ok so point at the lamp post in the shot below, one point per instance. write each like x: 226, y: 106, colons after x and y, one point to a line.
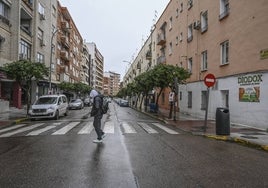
x: 51, y: 51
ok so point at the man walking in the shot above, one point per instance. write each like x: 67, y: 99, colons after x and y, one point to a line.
x: 97, y: 101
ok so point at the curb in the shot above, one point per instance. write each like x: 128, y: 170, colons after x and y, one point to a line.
x: 19, y: 121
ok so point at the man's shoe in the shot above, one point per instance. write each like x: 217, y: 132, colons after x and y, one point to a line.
x: 97, y: 141
x: 103, y: 135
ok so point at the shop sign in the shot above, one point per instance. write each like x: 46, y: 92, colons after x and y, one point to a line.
x: 255, y: 79
x: 249, y: 90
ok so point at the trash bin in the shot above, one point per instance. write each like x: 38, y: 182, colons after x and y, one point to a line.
x: 222, y: 121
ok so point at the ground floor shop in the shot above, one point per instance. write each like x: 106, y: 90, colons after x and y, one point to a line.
x: 245, y: 95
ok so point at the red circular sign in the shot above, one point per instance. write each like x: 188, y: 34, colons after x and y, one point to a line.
x: 209, y: 80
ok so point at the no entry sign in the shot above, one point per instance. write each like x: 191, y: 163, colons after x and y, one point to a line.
x: 209, y: 80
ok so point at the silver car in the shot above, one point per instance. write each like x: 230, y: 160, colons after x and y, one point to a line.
x: 76, y: 104
x: 49, y: 106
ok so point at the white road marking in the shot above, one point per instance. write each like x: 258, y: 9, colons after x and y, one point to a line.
x: 39, y: 131
x: 170, y: 131
x: 87, y: 128
x: 109, y: 127
x: 22, y: 130
x: 11, y: 128
x: 147, y: 128
x: 65, y: 129
x: 128, y: 128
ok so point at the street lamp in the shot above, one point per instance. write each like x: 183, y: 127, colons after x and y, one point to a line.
x: 51, y: 51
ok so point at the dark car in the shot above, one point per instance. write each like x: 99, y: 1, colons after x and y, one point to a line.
x: 76, y: 104
x: 123, y: 103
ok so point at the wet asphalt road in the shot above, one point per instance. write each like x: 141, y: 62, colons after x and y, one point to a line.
x: 138, y: 159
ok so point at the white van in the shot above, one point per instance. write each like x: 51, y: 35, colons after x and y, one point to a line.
x: 49, y: 106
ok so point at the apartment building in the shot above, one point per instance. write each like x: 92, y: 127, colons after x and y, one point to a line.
x: 111, y: 83
x: 41, y: 31
x: 96, y: 66
x: 85, y: 66
x: 226, y: 38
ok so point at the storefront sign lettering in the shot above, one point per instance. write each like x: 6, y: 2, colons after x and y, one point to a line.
x: 250, y: 80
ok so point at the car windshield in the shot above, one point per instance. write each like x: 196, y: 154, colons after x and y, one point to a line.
x: 47, y: 100
x: 75, y: 100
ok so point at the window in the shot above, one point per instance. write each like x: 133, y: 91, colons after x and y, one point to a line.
x: 40, y: 58
x: 24, y: 50
x: 224, y: 9
x: 190, y: 33
x: 204, y: 60
x: 225, y: 53
x: 181, y: 37
x: 190, y: 64
x: 170, y: 48
x: 177, y: 13
x: 40, y: 34
x: 41, y: 9
x: 170, y: 23
x: 190, y: 4
x: 181, y: 7
x: 177, y: 40
x: 4, y: 10
x: 204, y: 21
x: 203, y: 100
x: 54, y: 11
x: 189, y: 99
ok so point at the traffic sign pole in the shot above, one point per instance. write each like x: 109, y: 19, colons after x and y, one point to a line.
x: 209, y: 81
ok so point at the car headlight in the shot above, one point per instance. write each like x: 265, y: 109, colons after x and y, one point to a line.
x: 51, y: 108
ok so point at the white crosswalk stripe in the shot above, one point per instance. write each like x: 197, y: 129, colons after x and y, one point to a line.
x: 12, y: 128
x: 37, y: 132
x: 22, y: 130
x: 128, y: 128
x: 87, y: 128
x: 108, y: 127
x: 170, y: 131
x: 66, y: 129
x: 147, y: 128
x: 60, y: 128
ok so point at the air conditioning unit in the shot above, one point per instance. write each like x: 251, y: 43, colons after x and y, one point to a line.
x: 42, y: 16
x: 197, y: 25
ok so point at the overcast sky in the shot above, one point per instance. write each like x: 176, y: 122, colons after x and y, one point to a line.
x: 117, y: 27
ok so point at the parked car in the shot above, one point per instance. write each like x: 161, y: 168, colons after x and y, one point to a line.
x: 123, y: 103
x: 76, y: 104
x: 49, y: 106
x: 87, y: 102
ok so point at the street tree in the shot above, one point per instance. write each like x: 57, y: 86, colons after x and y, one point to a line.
x: 25, y: 72
x: 164, y: 76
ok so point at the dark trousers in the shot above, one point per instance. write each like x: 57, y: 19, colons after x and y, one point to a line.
x: 97, y: 126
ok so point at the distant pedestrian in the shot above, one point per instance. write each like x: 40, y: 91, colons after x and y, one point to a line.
x: 97, y: 101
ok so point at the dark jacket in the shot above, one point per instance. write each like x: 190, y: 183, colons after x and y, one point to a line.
x: 97, y: 106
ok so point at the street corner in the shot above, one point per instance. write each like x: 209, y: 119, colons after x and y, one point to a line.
x: 251, y: 144
x: 20, y: 120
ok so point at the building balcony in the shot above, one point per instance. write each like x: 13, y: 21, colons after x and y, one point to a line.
x: 149, y: 55
x: 65, y: 41
x: 64, y: 55
x: 161, y: 39
x: 65, y: 26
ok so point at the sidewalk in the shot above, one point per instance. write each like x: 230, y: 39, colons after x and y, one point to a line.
x: 249, y: 136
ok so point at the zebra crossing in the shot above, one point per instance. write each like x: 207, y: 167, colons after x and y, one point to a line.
x: 82, y: 128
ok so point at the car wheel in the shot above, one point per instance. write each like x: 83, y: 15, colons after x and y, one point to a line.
x: 56, y: 117
x: 66, y: 112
